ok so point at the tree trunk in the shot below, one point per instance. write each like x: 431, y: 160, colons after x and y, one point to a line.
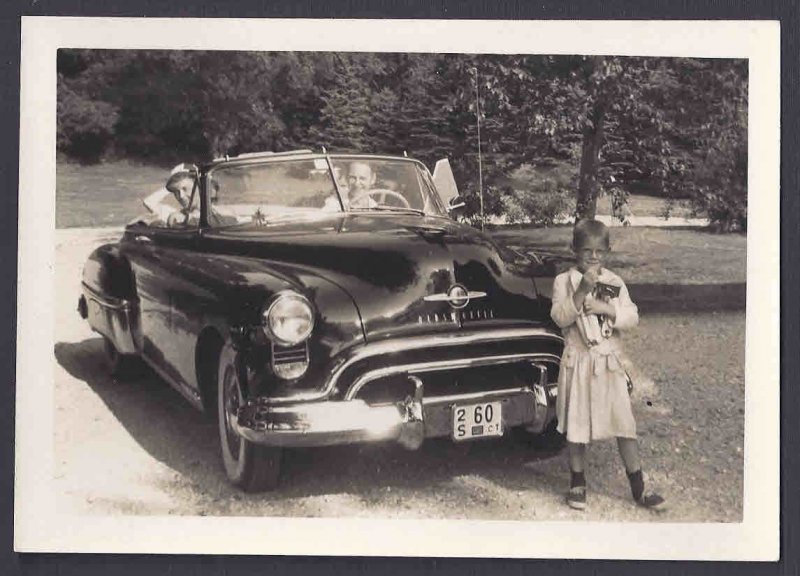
x: 593, y: 136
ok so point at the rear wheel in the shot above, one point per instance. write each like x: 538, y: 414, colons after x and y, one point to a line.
x: 121, y: 366
x: 251, y: 467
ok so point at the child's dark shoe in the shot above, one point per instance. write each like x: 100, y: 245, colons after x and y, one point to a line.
x: 645, y: 499
x: 576, y: 497
x: 652, y: 501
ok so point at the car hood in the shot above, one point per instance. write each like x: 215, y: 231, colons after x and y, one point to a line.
x: 390, y: 263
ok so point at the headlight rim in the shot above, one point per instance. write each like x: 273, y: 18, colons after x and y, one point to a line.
x: 265, y: 315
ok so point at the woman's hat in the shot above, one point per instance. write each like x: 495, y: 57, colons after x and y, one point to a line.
x: 181, y: 171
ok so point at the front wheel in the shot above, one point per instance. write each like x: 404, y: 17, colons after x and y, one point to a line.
x: 251, y: 467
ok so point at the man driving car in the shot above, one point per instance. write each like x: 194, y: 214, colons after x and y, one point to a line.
x: 360, y: 180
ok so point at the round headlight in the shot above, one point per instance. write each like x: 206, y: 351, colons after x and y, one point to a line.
x: 289, y: 319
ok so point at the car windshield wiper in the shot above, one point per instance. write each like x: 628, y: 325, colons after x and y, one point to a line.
x: 387, y: 208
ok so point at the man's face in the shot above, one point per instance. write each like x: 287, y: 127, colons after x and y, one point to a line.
x: 360, y: 178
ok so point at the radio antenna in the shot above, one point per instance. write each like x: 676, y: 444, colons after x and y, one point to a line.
x: 480, y: 161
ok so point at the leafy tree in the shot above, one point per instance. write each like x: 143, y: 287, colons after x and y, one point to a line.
x: 666, y: 126
x: 84, y: 126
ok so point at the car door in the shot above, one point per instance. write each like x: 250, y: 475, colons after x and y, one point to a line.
x: 161, y: 259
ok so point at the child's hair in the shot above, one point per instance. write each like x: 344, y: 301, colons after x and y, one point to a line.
x: 586, y: 229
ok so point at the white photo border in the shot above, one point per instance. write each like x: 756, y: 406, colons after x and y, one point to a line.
x: 40, y: 528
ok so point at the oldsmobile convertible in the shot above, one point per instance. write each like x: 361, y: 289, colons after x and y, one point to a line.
x: 313, y: 299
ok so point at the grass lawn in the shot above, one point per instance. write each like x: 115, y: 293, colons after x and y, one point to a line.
x: 648, y: 206
x: 646, y: 255
x: 110, y: 194
x: 107, y: 194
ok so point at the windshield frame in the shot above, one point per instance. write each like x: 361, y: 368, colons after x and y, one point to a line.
x: 425, y: 180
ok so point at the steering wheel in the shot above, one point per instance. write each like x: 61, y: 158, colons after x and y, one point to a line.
x: 383, y: 193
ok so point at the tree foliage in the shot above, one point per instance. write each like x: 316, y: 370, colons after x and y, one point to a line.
x: 673, y: 127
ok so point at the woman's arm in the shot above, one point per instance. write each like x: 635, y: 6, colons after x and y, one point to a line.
x: 154, y: 203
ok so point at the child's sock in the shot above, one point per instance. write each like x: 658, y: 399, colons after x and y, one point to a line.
x: 577, y: 479
x: 637, y: 484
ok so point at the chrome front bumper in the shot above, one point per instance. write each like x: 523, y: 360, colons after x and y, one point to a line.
x: 408, y: 422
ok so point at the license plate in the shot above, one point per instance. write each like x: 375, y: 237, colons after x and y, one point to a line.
x: 477, y: 420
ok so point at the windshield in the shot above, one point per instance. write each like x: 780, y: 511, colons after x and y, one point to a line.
x: 299, y: 188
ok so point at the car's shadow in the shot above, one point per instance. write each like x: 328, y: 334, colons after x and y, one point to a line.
x: 174, y: 433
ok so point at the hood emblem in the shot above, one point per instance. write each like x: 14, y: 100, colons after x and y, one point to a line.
x: 457, y: 296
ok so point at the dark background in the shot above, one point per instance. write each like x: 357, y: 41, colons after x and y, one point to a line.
x: 786, y: 11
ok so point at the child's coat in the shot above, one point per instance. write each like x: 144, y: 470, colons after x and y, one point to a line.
x: 593, y: 401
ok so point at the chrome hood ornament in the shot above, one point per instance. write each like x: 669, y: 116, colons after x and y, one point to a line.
x: 457, y: 296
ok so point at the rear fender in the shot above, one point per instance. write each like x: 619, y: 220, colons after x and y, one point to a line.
x: 109, y: 299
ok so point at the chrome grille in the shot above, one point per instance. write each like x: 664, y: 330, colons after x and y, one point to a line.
x: 287, y: 355
x: 461, y: 381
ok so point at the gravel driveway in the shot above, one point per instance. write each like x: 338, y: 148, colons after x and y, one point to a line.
x: 139, y: 448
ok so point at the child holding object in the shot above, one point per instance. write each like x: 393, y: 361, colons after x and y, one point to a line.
x: 590, y: 304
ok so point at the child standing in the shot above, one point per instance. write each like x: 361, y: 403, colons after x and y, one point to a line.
x: 590, y: 303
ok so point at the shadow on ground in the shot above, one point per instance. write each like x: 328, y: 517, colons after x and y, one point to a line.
x: 174, y: 433
x: 670, y: 298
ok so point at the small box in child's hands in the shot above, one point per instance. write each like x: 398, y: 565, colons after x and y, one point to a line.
x: 605, y: 290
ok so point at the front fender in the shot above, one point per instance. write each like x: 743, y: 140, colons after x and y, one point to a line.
x: 229, y: 293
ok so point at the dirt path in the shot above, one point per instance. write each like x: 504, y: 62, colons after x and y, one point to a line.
x: 139, y: 448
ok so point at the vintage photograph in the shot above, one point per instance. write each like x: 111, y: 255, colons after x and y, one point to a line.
x: 400, y: 285
x: 342, y: 260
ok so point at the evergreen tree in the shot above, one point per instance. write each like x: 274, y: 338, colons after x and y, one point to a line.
x: 345, y: 108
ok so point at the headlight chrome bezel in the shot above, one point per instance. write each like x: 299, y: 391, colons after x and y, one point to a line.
x: 278, y: 299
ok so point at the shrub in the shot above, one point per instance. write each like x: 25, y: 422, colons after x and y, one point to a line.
x: 543, y: 203
x: 721, y: 188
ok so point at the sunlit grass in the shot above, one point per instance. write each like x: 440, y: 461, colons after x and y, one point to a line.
x: 106, y: 194
x: 651, y: 255
x: 110, y: 194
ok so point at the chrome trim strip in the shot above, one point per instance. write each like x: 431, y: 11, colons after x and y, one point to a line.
x: 445, y: 297
x: 474, y: 396
x: 279, y: 157
x: 422, y: 367
x: 117, y: 304
x: 416, y: 343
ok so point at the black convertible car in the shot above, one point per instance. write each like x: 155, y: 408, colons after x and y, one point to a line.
x: 311, y: 299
